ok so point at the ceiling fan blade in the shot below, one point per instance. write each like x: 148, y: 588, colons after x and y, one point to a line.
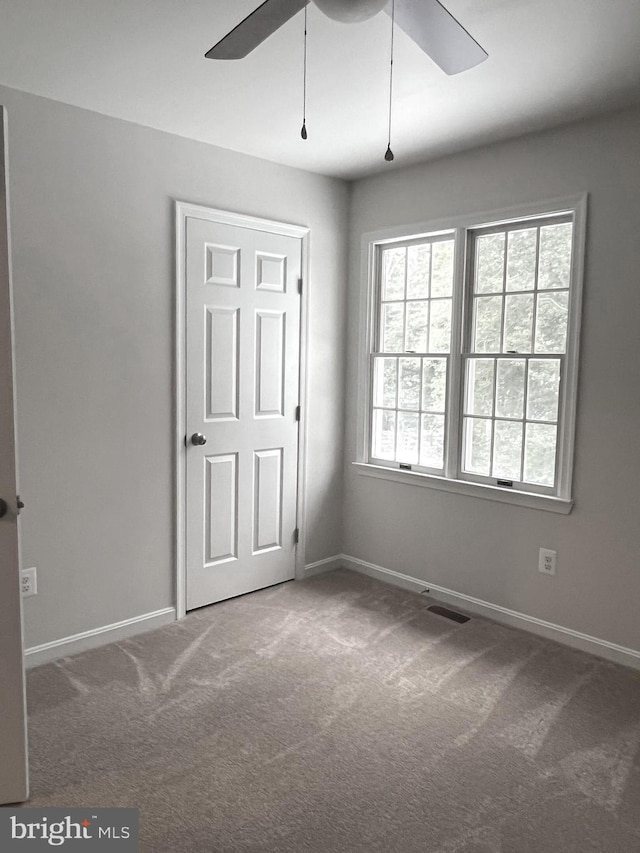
x: 255, y: 28
x: 437, y: 32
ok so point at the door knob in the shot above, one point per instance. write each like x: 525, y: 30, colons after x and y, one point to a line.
x: 198, y: 439
x: 4, y: 508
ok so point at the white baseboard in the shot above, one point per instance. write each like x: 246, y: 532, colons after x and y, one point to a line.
x: 121, y: 630
x: 322, y: 566
x: 577, y: 640
x: 67, y: 646
x: 382, y: 574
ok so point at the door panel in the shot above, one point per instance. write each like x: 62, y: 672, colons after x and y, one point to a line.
x: 13, y: 746
x: 221, y: 508
x: 242, y: 355
x: 270, y: 363
x: 222, y: 363
x: 267, y: 500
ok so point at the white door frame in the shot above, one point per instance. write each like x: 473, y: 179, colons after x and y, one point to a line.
x: 222, y: 217
x: 14, y: 769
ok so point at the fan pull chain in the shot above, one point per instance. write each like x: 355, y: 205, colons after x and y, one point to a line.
x: 303, y: 132
x: 389, y: 153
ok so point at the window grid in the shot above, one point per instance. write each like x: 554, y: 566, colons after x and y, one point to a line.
x: 478, y: 291
x: 524, y: 421
x: 539, y: 344
x: 535, y: 301
x: 426, y: 279
x: 420, y: 412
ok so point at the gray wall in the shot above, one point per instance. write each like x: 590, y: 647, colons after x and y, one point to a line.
x: 92, y: 221
x: 486, y: 549
x: 93, y: 255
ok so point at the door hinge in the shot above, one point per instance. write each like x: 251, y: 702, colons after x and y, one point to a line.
x: 299, y: 285
x: 296, y: 536
x: 298, y: 413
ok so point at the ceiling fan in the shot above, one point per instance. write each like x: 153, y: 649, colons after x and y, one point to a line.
x: 427, y: 22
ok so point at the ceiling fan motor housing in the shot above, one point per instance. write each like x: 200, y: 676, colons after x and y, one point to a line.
x: 350, y: 11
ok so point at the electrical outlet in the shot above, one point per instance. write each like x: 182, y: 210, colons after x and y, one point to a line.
x: 547, y: 561
x: 28, y: 582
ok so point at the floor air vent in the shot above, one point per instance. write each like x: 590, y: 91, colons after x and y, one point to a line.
x: 448, y: 614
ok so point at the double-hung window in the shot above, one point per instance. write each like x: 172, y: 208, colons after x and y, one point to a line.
x: 412, y: 351
x: 472, y: 357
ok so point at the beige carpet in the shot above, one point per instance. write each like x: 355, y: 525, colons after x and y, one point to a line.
x: 341, y: 715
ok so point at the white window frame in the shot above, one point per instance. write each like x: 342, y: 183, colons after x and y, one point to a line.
x: 461, y: 227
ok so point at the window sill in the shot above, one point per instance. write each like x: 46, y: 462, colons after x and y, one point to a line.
x: 464, y: 487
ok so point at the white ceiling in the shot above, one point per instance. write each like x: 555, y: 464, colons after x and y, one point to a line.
x: 550, y: 61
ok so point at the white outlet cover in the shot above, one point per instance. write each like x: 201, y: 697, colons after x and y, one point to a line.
x: 547, y: 561
x: 28, y: 582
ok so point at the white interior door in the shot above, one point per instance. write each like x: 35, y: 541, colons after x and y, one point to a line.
x: 13, y: 744
x: 242, y: 393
